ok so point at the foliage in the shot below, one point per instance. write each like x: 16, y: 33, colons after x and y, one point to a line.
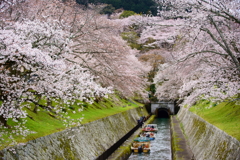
x: 126, y: 14
x: 109, y: 9
x: 131, y: 37
x: 83, y: 2
x: 154, y: 60
x: 138, y: 6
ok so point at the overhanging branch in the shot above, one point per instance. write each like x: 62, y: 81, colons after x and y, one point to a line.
x: 206, y: 51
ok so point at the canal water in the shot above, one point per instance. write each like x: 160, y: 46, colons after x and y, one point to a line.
x: 161, y: 146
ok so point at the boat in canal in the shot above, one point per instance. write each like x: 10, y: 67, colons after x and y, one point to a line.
x: 150, y: 135
x: 150, y: 128
x: 141, y: 144
x: 161, y: 146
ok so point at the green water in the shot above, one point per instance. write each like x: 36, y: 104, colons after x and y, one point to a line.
x: 161, y: 146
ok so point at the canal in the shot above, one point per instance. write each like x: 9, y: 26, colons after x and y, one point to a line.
x: 161, y: 146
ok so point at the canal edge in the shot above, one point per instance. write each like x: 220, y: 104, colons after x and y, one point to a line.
x: 179, y: 145
x: 124, y: 151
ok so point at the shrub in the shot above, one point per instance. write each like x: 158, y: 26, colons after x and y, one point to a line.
x: 109, y: 9
x: 126, y: 14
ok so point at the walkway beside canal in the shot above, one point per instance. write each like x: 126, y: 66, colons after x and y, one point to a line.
x: 180, y: 148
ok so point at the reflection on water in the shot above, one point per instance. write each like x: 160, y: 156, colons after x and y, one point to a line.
x: 161, y: 146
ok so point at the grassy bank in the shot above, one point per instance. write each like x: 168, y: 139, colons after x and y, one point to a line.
x: 225, y: 116
x: 45, y: 122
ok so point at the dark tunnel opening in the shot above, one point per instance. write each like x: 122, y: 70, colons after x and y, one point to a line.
x: 162, y: 113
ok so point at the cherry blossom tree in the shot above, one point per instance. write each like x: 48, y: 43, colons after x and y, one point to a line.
x: 56, y: 50
x: 97, y: 44
x: 29, y: 70
x: 209, y: 40
x: 98, y: 47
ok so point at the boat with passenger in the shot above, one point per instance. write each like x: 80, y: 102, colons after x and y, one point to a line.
x: 150, y: 135
x: 141, y: 144
x: 150, y: 128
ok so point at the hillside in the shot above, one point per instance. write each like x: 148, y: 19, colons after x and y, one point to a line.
x: 225, y: 115
x: 44, y: 122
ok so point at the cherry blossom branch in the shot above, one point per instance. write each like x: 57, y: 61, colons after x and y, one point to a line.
x: 206, y: 51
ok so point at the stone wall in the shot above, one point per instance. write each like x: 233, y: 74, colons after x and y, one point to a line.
x: 206, y: 141
x: 85, y: 142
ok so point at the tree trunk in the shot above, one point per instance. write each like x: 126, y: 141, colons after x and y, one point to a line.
x: 35, y: 108
x: 4, y: 121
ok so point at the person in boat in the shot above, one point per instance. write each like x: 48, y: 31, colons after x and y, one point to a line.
x: 138, y: 121
x: 148, y: 135
x: 140, y: 149
x: 144, y: 118
x: 142, y: 121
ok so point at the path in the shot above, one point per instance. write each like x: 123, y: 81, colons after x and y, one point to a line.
x: 181, y: 150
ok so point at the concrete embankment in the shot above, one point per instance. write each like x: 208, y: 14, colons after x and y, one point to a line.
x: 180, y: 147
x: 206, y: 141
x: 85, y: 142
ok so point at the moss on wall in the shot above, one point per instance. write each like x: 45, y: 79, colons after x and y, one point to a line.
x: 200, y: 129
x: 83, y: 142
x: 68, y: 151
x: 207, y: 141
x: 223, y: 150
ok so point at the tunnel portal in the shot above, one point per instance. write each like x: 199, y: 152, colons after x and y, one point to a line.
x: 162, y: 113
x: 163, y: 108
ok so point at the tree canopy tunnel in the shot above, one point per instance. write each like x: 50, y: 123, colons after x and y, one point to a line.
x: 162, y: 113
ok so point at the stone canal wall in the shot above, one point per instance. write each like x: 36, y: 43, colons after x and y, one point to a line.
x: 206, y: 141
x: 85, y: 142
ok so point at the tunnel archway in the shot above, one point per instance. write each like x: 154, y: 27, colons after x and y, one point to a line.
x: 162, y: 113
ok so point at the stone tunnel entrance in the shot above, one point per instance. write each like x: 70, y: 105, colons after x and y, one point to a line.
x: 163, y: 108
x: 162, y: 113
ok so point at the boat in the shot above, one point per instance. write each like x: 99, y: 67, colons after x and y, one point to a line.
x: 150, y: 135
x: 141, y: 144
x: 150, y: 128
